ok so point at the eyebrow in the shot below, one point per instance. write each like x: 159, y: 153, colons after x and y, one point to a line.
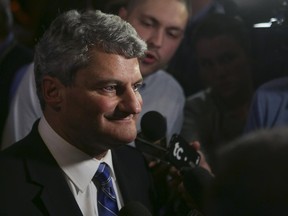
x: 159, y: 23
x: 118, y: 82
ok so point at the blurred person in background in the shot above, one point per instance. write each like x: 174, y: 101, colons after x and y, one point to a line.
x: 161, y: 24
x: 251, y: 176
x: 269, y: 106
x: 13, y: 59
x: 218, y: 114
x: 183, y: 66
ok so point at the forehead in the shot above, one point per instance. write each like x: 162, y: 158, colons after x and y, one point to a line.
x: 216, y: 45
x: 169, y: 12
x: 111, y: 66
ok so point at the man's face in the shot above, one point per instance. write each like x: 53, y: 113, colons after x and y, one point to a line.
x: 100, y: 109
x: 223, y: 64
x: 161, y: 24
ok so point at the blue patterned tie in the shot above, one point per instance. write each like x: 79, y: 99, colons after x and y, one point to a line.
x: 106, y: 198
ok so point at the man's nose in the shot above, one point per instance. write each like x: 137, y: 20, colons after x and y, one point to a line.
x: 156, y: 38
x: 131, y: 102
x: 220, y: 69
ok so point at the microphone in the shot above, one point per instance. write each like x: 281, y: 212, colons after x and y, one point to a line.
x: 181, y: 154
x: 134, y: 209
x: 153, y: 128
x: 150, y: 141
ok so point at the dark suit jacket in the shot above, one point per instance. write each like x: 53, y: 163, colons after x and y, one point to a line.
x: 32, y: 183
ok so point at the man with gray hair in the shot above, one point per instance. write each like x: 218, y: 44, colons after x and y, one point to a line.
x: 161, y: 24
x: 87, y: 78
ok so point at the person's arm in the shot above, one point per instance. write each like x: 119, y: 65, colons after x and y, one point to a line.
x: 176, y: 120
x: 263, y: 109
x: 254, y: 120
x: 192, y: 115
x: 24, y: 110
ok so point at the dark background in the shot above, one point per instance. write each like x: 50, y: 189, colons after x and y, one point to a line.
x: 270, y: 45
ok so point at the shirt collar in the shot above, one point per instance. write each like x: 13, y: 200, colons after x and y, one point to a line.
x: 78, y: 166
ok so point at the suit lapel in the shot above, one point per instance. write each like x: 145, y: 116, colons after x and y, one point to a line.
x: 124, y: 177
x: 43, y: 170
x: 133, y: 177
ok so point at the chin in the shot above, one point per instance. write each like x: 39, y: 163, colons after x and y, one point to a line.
x: 129, y: 140
x: 124, y: 139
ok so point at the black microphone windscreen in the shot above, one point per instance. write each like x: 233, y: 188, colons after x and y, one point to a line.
x: 134, y: 209
x: 153, y: 126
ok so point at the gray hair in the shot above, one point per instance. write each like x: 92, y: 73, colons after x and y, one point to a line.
x: 66, y: 46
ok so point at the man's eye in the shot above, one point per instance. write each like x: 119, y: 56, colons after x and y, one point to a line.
x: 174, y: 34
x: 205, y: 64
x: 147, y: 23
x: 228, y: 58
x: 111, y: 88
x: 137, y: 86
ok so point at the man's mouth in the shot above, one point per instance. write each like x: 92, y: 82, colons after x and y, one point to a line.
x: 121, y: 118
x: 149, y: 58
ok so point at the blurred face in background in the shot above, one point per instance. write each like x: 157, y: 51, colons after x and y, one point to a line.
x: 223, y: 64
x: 161, y: 23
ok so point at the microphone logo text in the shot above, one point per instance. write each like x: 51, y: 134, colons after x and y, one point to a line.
x: 177, y: 151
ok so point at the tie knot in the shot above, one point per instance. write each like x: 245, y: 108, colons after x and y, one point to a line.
x: 103, y: 174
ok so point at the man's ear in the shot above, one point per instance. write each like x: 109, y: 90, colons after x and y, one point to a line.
x: 123, y: 13
x: 52, y: 91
